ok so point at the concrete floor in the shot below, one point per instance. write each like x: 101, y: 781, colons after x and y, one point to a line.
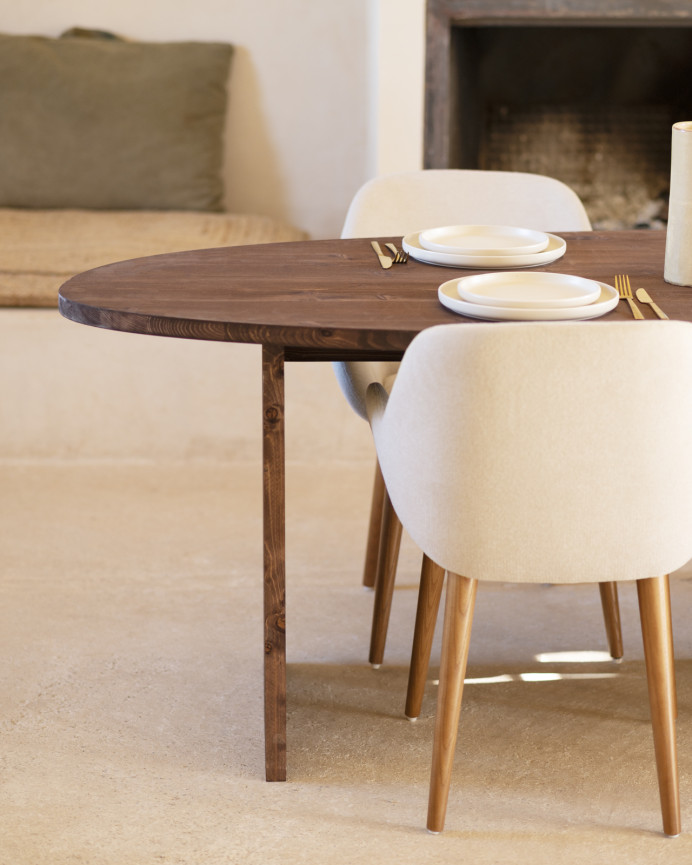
x: 131, y: 690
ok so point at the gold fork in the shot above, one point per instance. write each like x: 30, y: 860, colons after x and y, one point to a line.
x: 624, y: 289
x: 400, y: 257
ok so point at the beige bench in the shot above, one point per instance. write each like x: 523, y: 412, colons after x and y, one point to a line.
x: 69, y: 391
x: 74, y: 392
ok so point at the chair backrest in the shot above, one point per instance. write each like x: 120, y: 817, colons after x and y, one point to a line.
x: 543, y: 452
x: 399, y: 204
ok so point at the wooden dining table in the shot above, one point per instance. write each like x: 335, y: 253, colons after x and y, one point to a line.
x: 313, y: 301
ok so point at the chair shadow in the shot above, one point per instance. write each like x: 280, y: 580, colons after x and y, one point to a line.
x: 346, y: 725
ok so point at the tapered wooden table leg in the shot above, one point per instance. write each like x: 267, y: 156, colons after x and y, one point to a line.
x: 274, y: 510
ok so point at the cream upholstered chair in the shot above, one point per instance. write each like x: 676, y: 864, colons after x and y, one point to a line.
x: 508, y: 452
x: 399, y: 204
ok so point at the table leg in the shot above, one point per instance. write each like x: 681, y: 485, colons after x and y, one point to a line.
x: 273, y: 458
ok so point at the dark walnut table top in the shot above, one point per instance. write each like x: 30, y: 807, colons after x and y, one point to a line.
x: 327, y: 299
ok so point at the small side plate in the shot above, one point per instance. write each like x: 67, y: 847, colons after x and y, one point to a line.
x: 484, y: 240
x: 448, y: 296
x: 555, y: 249
x: 524, y: 290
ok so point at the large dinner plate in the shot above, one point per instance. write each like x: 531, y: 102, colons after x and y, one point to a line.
x: 523, y: 290
x: 483, y: 240
x: 449, y: 296
x: 555, y: 249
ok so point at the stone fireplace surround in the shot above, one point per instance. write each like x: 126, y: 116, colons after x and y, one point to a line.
x: 583, y: 90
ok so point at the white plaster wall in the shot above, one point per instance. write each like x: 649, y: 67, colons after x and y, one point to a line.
x: 324, y: 93
x: 69, y: 392
x: 397, y: 82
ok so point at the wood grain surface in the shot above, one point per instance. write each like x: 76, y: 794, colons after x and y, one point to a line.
x: 274, y: 537
x: 326, y: 299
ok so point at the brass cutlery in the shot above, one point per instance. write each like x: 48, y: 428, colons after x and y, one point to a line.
x: 400, y: 257
x: 643, y: 297
x: 624, y: 289
x: 385, y: 260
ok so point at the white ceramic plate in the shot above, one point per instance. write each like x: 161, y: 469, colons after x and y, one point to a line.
x: 449, y: 297
x: 483, y: 240
x: 555, y: 249
x: 523, y: 290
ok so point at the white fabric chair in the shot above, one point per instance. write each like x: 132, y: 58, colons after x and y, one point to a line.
x: 399, y: 204
x: 535, y: 452
x: 396, y: 205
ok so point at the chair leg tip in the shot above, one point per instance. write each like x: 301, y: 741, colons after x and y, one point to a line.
x: 411, y: 719
x: 376, y: 666
x: 433, y: 831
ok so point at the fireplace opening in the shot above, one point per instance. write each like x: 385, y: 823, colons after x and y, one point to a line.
x: 590, y: 105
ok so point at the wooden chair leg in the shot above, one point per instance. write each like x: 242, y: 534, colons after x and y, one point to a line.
x: 669, y: 612
x: 372, y: 546
x: 431, y: 581
x: 611, y: 617
x: 654, y: 607
x: 432, y: 578
x: 390, y: 541
x: 459, y: 605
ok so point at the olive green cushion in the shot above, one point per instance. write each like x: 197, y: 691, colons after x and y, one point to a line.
x: 110, y: 123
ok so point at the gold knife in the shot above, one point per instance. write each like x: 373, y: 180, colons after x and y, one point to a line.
x: 385, y: 260
x: 643, y: 297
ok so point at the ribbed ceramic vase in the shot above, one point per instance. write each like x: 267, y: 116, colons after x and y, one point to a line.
x: 678, y: 265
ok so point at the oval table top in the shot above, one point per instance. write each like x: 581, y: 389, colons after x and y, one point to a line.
x: 327, y: 297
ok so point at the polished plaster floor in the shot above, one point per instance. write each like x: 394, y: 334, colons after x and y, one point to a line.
x: 131, y: 690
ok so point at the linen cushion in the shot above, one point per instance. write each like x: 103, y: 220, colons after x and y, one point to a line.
x: 112, y: 124
x: 41, y: 249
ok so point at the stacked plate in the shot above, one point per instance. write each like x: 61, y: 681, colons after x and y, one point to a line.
x: 527, y: 297
x: 475, y: 246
